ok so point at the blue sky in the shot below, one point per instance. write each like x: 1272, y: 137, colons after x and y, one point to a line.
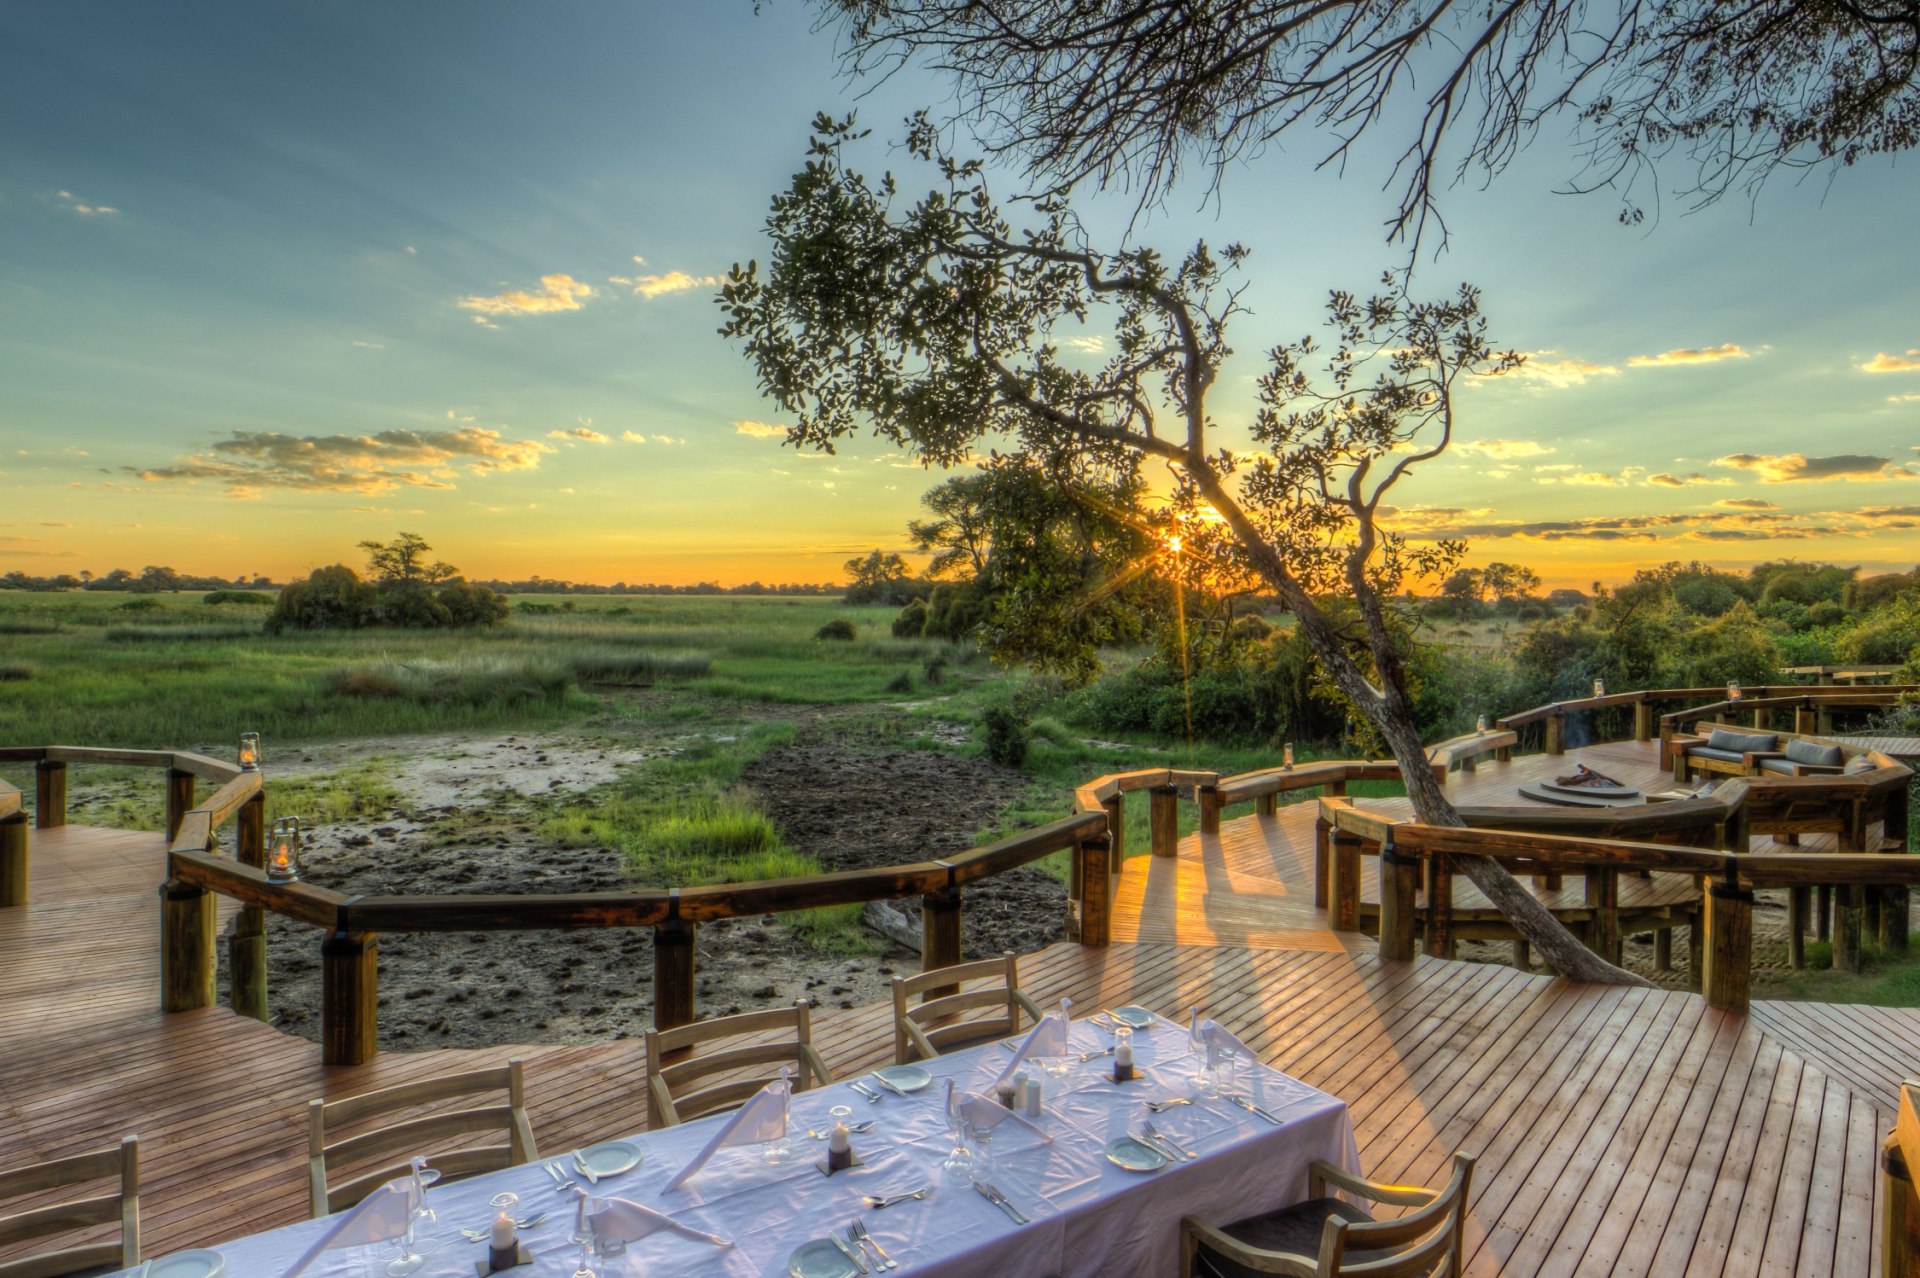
x: 274, y: 279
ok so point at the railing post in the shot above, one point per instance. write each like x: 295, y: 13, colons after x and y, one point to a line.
x: 179, y: 800
x: 1762, y: 718
x: 1729, y: 910
x: 186, y: 947
x: 673, y: 955
x: 1896, y: 907
x: 1399, y: 890
x: 13, y: 859
x: 349, y: 998
x: 49, y: 794
x: 1163, y: 819
x: 1322, y: 861
x: 1096, y: 913
x: 1557, y: 733
x: 1663, y: 949
x: 1209, y: 796
x: 1116, y: 831
x: 1267, y: 804
x: 1847, y: 920
x: 1343, y: 881
x: 1805, y: 719
x: 1643, y: 721
x: 1603, y: 898
x: 940, y: 935
x: 1797, y: 901
x: 1440, y: 905
x: 1900, y: 1218
x: 247, y: 943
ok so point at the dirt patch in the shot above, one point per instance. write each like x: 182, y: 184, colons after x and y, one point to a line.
x: 468, y: 822
x: 853, y: 811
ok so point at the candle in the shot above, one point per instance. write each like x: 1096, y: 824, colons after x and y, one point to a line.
x: 503, y: 1248
x: 503, y: 1228
x: 1123, y: 1057
x: 839, y: 1148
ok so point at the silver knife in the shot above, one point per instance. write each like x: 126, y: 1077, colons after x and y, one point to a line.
x: 859, y: 1258
x: 886, y: 1083
x: 585, y: 1170
x: 1001, y: 1201
x: 1251, y: 1108
x: 1162, y: 1147
x: 869, y: 1096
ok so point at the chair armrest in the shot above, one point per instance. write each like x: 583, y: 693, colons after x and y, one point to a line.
x: 665, y: 1113
x: 1818, y: 769
x: 1266, y: 1262
x: 1751, y: 758
x: 818, y: 1067
x: 1320, y: 1174
x: 918, y: 1037
x: 1028, y: 1005
x: 1685, y: 743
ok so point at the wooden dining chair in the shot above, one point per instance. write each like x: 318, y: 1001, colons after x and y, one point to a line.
x: 415, y: 1135
x: 1326, y: 1236
x: 121, y: 1163
x: 930, y: 1027
x: 673, y: 1062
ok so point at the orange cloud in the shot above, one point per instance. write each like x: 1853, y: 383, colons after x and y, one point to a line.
x: 1885, y: 363
x: 1504, y: 449
x: 1688, y: 355
x: 760, y: 430
x: 556, y: 293
x: 1668, y: 480
x: 585, y: 434
x: 1789, y: 468
x: 251, y: 461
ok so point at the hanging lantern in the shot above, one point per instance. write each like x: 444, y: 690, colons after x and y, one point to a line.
x: 1286, y: 755
x: 283, y: 851
x: 1599, y: 687
x: 249, y: 752
x: 1733, y: 689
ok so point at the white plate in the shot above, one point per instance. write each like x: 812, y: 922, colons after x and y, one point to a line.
x: 1134, y: 1156
x: 189, y: 1264
x: 905, y: 1078
x: 611, y: 1157
x: 1135, y: 1017
x: 820, y: 1259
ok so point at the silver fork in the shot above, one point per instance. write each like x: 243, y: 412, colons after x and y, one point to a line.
x: 1164, y: 1139
x: 1161, y: 1107
x: 561, y: 1181
x: 857, y: 1233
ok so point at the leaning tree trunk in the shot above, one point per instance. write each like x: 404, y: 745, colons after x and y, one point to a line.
x: 1548, y: 936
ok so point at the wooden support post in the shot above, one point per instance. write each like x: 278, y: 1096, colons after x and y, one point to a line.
x: 1643, y: 721
x: 1399, y: 902
x: 1504, y: 754
x: 186, y: 947
x: 1338, y: 789
x: 1550, y: 882
x: 1209, y: 796
x: 1440, y: 941
x: 1663, y: 949
x: 1900, y: 1213
x: 1804, y: 720
x: 179, y: 800
x: 1095, y: 924
x: 1896, y: 910
x: 1763, y: 718
x: 1823, y: 914
x: 1557, y: 733
x: 1847, y: 920
x: 350, y: 998
x: 13, y: 860
x: 1603, y: 898
x: 1343, y: 882
x: 247, y: 943
x: 1522, y: 955
x: 1163, y: 819
x: 1696, y: 949
x: 940, y: 935
x: 1116, y: 831
x: 1267, y: 804
x: 1797, y: 927
x: 1322, y: 862
x: 1870, y: 912
x: 49, y: 794
x: 1729, y: 911
x: 673, y: 973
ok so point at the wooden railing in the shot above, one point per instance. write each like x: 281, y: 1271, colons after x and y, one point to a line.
x: 1760, y: 697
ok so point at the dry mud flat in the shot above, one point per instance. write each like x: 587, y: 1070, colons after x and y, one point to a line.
x: 473, y: 989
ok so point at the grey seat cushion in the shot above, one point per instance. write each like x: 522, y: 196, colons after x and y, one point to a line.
x: 1826, y: 756
x: 1296, y: 1229
x: 1711, y: 752
x: 1783, y: 766
x: 1860, y: 763
x: 1742, y: 742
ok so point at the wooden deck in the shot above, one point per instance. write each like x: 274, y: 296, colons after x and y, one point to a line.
x: 1619, y: 1131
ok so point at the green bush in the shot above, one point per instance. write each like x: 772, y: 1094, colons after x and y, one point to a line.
x: 1006, y: 735
x: 140, y: 603
x: 245, y: 598
x: 902, y: 682
x: 936, y: 668
x: 838, y: 629
x: 955, y: 610
x: 912, y: 621
x: 15, y: 673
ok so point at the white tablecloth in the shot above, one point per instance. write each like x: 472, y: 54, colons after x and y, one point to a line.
x: 1089, y: 1216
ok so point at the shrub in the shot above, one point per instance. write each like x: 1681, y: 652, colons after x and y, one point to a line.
x: 936, y: 668
x: 955, y: 610
x: 15, y: 673
x: 911, y: 622
x: 1006, y: 734
x: 245, y: 598
x: 142, y: 603
x: 329, y: 599
x: 839, y: 628
x: 617, y: 665
x: 902, y: 682
x: 470, y: 605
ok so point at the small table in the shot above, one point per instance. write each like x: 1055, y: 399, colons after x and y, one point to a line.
x: 1089, y: 1217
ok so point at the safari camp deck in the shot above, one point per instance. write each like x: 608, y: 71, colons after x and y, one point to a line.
x: 1619, y: 1131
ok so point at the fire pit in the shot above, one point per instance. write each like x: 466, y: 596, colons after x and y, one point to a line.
x: 1583, y: 788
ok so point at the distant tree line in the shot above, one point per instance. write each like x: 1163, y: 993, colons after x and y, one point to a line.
x: 538, y: 585
x: 149, y: 580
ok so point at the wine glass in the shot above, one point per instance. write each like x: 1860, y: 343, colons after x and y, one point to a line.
x: 413, y: 1249
x: 958, y: 1167
x: 777, y: 1150
x: 1206, y: 1079
x: 423, y: 1176
x: 582, y: 1234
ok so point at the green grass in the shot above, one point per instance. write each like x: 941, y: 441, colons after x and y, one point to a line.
x: 1885, y: 979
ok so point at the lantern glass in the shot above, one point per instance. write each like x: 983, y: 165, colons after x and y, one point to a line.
x: 1480, y: 723
x: 249, y: 751
x: 1286, y: 755
x: 283, y: 851
x: 1599, y: 687
x: 1733, y: 689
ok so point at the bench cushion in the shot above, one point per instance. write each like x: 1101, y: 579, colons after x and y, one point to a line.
x: 1739, y: 743
x: 1825, y: 756
x: 1712, y: 752
x: 1860, y: 763
x: 1783, y: 766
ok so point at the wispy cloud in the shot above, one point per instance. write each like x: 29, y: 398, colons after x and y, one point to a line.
x: 1504, y: 449
x: 760, y: 430
x: 252, y: 461
x: 556, y: 293
x: 585, y: 434
x: 1666, y: 479
x: 74, y: 204
x: 1088, y: 345
x: 1550, y: 368
x: 369, y: 346
x: 1747, y: 503
x: 1788, y: 468
x: 1885, y: 363
x: 652, y: 286
x: 633, y: 437
x: 1911, y: 397
x: 1688, y: 355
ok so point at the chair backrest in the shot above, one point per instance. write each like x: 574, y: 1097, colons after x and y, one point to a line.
x: 931, y: 1027
x: 1424, y: 1243
x: 676, y: 1072
x: 415, y: 1135
x: 121, y: 1163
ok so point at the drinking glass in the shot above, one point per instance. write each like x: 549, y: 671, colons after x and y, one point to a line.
x: 958, y: 1167
x: 777, y: 1150
x: 413, y: 1249
x: 582, y: 1235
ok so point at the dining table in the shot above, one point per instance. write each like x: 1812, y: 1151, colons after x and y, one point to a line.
x: 1244, y: 1148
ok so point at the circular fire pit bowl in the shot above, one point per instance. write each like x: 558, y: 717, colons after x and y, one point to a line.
x: 1582, y: 796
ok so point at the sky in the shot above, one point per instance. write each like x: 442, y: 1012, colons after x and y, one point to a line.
x: 277, y: 279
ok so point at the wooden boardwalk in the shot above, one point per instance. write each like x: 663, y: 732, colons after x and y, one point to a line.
x: 1619, y: 1131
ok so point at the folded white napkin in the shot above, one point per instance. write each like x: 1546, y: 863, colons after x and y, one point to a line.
x: 623, y: 1220
x: 985, y: 1115
x: 1222, y: 1039
x: 762, y: 1119
x: 1048, y: 1038
x: 381, y: 1216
